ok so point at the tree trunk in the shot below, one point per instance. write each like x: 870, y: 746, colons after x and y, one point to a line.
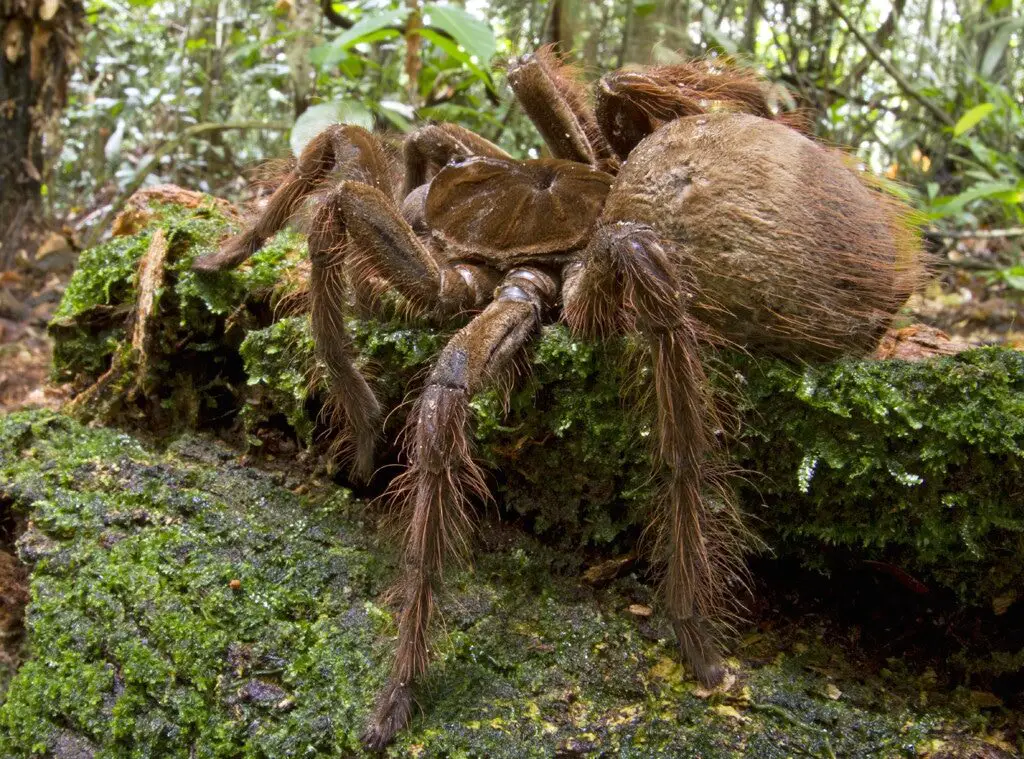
x: 39, y: 51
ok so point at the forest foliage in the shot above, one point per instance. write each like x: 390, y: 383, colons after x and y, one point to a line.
x: 926, y: 91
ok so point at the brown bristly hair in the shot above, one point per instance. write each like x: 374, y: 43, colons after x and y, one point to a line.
x: 697, y: 532
x: 702, y: 86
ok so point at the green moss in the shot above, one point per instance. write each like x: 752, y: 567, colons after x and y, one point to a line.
x: 141, y: 647
x: 193, y: 358
x: 278, y: 363
x: 915, y: 463
x: 88, y: 324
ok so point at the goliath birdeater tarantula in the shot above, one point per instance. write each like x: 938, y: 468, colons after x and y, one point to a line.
x: 679, y: 207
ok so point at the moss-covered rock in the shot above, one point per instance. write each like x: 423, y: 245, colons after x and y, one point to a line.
x: 186, y: 606
x: 914, y: 466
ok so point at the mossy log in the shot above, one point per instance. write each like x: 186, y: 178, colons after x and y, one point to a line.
x: 184, y: 605
x: 915, y: 465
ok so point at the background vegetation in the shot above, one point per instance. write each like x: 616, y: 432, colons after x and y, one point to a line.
x: 929, y: 91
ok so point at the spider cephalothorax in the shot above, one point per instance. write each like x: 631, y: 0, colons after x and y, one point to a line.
x: 681, y: 209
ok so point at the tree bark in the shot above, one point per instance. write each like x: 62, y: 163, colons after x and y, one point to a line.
x: 39, y: 51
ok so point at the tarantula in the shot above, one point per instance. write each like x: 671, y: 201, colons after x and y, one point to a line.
x: 679, y: 207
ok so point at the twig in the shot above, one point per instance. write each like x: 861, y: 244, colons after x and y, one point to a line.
x: 975, y: 234
x: 901, y: 80
x: 144, y: 170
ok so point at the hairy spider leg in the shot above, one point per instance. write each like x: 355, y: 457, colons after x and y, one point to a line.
x: 699, y: 536
x: 355, y: 154
x: 358, y: 232
x: 348, y: 150
x: 632, y: 104
x: 434, y: 492
x: 433, y: 146
x: 557, y: 103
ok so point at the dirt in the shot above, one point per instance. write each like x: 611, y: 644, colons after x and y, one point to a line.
x: 28, y: 298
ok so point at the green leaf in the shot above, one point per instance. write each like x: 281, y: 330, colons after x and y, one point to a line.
x: 971, y: 119
x: 996, y: 48
x: 317, y: 118
x: 458, y: 53
x: 1014, y: 277
x: 370, y: 28
x: 474, y: 35
x: 1011, y: 193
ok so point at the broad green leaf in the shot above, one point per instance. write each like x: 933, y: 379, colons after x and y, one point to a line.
x: 317, y: 118
x: 458, y: 53
x: 400, y: 115
x: 1004, y: 192
x: 996, y: 48
x: 474, y: 35
x: 971, y: 119
x: 370, y: 28
x: 1014, y: 277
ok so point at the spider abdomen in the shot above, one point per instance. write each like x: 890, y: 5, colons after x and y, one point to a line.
x: 788, y: 248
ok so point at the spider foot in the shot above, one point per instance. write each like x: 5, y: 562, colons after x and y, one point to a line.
x: 394, y: 707
x: 700, y: 652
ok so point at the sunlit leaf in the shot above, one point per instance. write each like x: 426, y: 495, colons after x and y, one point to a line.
x: 1014, y: 277
x: 317, y: 118
x: 474, y: 35
x: 972, y: 118
x: 370, y: 28
x: 458, y: 53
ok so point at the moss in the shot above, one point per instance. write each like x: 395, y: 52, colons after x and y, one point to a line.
x: 193, y: 356
x: 278, y: 364
x: 913, y: 463
x: 183, y: 605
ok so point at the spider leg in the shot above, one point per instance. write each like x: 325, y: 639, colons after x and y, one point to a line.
x: 632, y: 104
x: 358, y: 235
x: 700, y: 539
x: 557, y: 104
x: 352, y: 150
x: 433, y: 146
x: 442, y: 476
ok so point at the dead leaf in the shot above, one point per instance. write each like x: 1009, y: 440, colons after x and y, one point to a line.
x: 48, y: 9
x: 1001, y: 604
x: 731, y: 712
x: 31, y: 170
x: 607, y: 571
x: 14, y: 41
x: 53, y: 245
x: 723, y: 687
x: 985, y: 700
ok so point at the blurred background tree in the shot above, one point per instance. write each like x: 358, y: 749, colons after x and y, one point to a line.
x: 40, y: 49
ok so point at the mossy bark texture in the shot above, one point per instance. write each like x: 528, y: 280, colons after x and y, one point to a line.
x: 186, y: 606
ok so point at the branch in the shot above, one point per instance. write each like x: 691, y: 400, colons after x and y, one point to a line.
x: 975, y: 234
x: 333, y: 16
x: 146, y: 168
x: 930, y: 105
